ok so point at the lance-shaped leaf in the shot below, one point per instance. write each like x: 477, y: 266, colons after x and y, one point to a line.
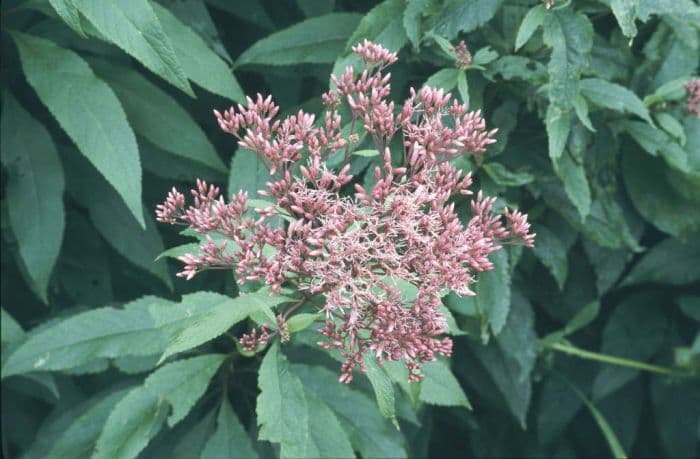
x: 464, y: 16
x: 34, y: 192
x: 615, y: 97
x: 67, y: 10
x: 89, y: 112
x: 230, y: 439
x: 133, y: 26
x: 440, y: 386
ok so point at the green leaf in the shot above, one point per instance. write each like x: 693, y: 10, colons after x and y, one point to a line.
x: 464, y: 16
x: 531, y: 22
x: 34, y: 191
x: 552, y: 252
x: 575, y: 183
x: 156, y: 116
x: 10, y: 331
x: 199, y: 62
x: 383, y: 25
x: 676, y: 408
x: 366, y: 153
x: 133, y: 26
x: 440, y: 386
x: 139, y: 245
x: 558, y: 125
x: 252, y: 12
x: 668, y: 262
x: 89, y: 112
x: 672, y: 126
x: 443, y: 79
x: 625, y: 12
x: 570, y: 35
x: 502, y: 176
x: 634, y: 331
x: 582, y: 318
x: 463, y: 87
x: 131, y: 425
x: 615, y: 97
x: 412, y: 19
x: 302, y: 424
x: 79, y: 437
x: 299, y: 322
x: 219, y: 317
x: 581, y: 109
x: 248, y: 173
x: 657, y: 143
x: 370, y: 434
x: 230, y: 440
x: 144, y: 327
x: 509, y: 358
x: 179, y: 250
x: 383, y: 389
x: 67, y: 10
x: 317, y: 40
x: 665, y: 208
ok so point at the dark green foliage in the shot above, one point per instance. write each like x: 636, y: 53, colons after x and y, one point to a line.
x: 586, y: 346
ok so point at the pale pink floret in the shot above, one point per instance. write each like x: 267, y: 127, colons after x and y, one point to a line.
x: 356, y: 250
x: 693, y: 88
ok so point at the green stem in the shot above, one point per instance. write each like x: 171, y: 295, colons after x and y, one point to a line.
x: 571, y: 350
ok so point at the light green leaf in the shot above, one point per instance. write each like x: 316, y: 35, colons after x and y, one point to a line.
x: 230, y: 440
x: 299, y: 322
x: 248, y: 173
x: 67, y: 10
x: 573, y: 176
x: 558, y: 125
x: 370, y: 434
x: 581, y: 109
x: 383, y: 389
x: 615, y: 97
x: 463, y: 87
x: 570, y: 35
x: 531, y: 22
x: 77, y: 440
x: 219, y: 317
x: 89, y: 112
x: 657, y: 143
x: 316, y: 40
x: 366, y: 153
x: 671, y: 125
x: 131, y: 425
x: 443, y: 79
x: 34, y: 191
x: 638, y: 342
x: 156, y: 116
x: 180, y: 250
x: 413, y: 17
x: 10, y: 331
x: 464, y: 16
x: 440, y: 387
x: 199, y: 62
x: 625, y: 12
x: 552, y: 252
x: 669, y: 262
x: 133, y: 26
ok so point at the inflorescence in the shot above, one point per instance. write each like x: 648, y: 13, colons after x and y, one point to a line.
x: 356, y: 250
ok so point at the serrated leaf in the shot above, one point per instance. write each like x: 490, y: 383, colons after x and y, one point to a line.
x: 573, y: 176
x: 552, y: 252
x: 665, y: 208
x: 34, y: 191
x: 248, y: 173
x: 229, y: 440
x: 412, y: 19
x: 156, y: 116
x: 77, y: 440
x: 634, y: 331
x: 199, y: 62
x: 625, y: 12
x: 383, y: 389
x: 532, y: 21
x: 672, y: 126
x: 219, y: 317
x: 133, y: 26
x: 570, y: 35
x: 67, y: 10
x: 669, y: 262
x: 558, y: 125
x: 370, y: 434
x: 443, y: 79
x: 89, y: 112
x: 317, y: 40
x: 615, y: 97
x: 440, y: 386
x: 464, y: 16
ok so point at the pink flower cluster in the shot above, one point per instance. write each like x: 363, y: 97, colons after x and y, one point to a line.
x: 380, y: 258
x: 464, y: 57
x: 693, y: 88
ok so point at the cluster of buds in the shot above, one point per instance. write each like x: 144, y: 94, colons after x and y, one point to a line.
x: 549, y: 4
x: 464, y: 57
x: 693, y: 88
x: 359, y: 252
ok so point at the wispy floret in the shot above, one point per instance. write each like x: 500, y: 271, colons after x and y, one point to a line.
x: 693, y: 88
x: 358, y: 252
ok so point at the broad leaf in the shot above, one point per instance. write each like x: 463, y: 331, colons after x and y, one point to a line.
x: 316, y: 40
x: 615, y: 97
x: 440, y: 386
x: 67, y: 10
x: 531, y: 22
x: 248, y: 173
x: 89, y: 112
x: 657, y: 143
x: 573, y: 176
x: 625, y: 12
x: 198, y: 61
x: 230, y: 440
x: 669, y: 262
x: 464, y: 16
x: 34, y: 191
x: 552, y: 252
x: 133, y: 26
